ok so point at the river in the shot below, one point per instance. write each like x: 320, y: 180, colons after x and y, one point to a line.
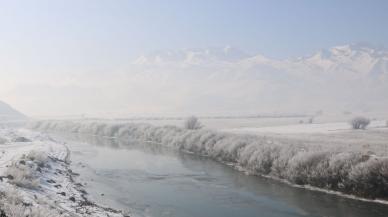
x: 152, y: 181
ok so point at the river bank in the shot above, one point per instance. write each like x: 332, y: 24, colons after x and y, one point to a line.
x: 353, y: 171
x: 36, y: 179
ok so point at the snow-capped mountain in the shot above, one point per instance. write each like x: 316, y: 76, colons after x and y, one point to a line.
x: 348, y: 76
x: 351, y: 58
x: 354, y: 58
x: 194, y: 56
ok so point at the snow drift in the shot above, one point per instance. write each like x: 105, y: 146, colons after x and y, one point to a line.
x: 349, y: 172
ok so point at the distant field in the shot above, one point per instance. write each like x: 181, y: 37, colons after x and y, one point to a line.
x: 332, y: 131
x: 334, y: 121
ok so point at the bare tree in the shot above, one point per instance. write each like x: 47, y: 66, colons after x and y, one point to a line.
x: 359, y: 123
x: 192, y: 123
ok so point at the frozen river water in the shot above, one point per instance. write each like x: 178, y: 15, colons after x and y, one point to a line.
x: 151, y: 181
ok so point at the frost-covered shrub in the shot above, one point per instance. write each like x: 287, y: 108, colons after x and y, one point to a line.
x: 12, y: 204
x: 370, y: 178
x: 38, y: 157
x: 22, y: 173
x: 309, y: 168
x: 340, y: 165
x: 192, y: 123
x: 359, y: 123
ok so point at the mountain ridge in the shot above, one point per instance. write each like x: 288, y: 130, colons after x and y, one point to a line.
x: 7, y: 112
x: 357, y: 58
x: 346, y: 77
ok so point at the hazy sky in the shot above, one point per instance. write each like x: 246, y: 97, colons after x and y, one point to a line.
x: 71, y: 29
x: 64, y: 43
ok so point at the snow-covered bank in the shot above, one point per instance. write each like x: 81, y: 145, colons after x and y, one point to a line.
x: 36, y: 180
x: 353, y: 172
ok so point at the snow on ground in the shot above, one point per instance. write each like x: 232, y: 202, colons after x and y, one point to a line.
x: 36, y: 179
x: 345, y: 162
x: 334, y: 136
x: 336, y: 127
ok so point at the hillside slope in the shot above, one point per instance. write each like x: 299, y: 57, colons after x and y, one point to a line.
x: 8, y: 113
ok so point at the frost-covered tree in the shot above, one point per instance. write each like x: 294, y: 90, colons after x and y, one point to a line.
x: 192, y: 123
x: 359, y: 123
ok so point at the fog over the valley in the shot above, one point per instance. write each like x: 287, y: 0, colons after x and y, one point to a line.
x: 222, y: 81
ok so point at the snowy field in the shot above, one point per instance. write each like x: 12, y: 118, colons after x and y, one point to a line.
x: 327, y: 155
x: 335, y: 136
x: 326, y: 128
